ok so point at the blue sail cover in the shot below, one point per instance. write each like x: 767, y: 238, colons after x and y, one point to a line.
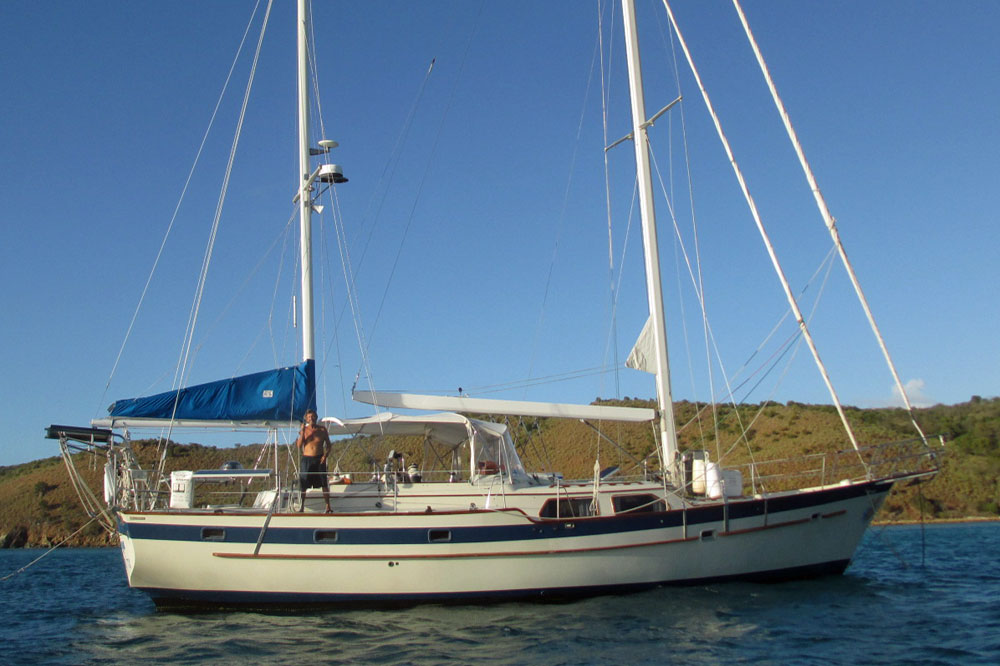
x: 273, y: 395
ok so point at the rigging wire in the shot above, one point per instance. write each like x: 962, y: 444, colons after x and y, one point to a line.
x: 353, y: 269
x: 828, y: 263
x: 530, y: 382
x: 350, y: 274
x: 387, y: 176
x: 183, y: 366
x: 180, y: 200
x: 562, y: 212
x: 767, y: 244
x: 325, y: 275
x: 782, y: 349
x: 47, y: 552
x: 788, y: 347
x: 828, y: 220
x: 282, y: 235
x: 420, y: 187
x: 182, y: 369
x: 289, y: 226
x: 700, y: 282
x: 326, y: 282
x: 923, y: 532
x: 352, y: 297
x: 350, y: 269
x: 694, y: 269
x: 612, y: 344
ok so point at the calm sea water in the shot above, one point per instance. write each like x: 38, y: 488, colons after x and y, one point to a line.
x: 74, y: 607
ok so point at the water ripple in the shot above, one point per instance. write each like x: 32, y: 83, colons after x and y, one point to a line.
x: 75, y: 608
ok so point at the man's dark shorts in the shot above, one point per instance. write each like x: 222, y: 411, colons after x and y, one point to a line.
x: 313, y: 474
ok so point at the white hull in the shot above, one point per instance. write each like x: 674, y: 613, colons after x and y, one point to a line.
x: 200, y: 557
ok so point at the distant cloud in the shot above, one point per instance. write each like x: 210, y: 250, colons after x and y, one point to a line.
x: 914, y: 391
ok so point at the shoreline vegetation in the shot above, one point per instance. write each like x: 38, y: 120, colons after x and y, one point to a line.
x: 936, y: 521
x: 39, y: 508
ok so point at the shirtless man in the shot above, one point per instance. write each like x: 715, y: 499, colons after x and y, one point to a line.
x: 314, y: 443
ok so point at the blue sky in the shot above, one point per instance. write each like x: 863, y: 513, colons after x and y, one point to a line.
x: 495, y: 191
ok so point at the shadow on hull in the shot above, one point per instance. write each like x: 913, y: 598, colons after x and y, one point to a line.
x: 213, y: 600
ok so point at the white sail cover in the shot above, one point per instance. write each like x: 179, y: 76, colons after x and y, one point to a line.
x: 643, y: 357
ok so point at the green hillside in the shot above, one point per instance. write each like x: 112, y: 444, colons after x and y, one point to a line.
x: 39, y: 507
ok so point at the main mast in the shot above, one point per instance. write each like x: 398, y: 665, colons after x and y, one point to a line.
x: 651, y: 251
x: 305, y: 182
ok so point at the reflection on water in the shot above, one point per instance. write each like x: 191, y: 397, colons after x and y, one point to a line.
x: 635, y: 628
x: 74, y: 607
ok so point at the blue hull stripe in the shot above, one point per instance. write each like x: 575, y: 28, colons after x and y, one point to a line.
x: 538, y: 529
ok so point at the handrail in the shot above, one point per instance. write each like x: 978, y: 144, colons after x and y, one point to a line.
x: 888, y: 460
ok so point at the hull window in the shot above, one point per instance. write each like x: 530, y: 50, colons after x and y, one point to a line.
x: 213, y: 534
x: 567, y: 508
x: 637, y: 504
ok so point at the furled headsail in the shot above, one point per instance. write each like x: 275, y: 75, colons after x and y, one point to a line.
x: 282, y: 394
x: 643, y: 355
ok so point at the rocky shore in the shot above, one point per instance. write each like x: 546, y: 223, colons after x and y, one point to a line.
x: 44, y: 536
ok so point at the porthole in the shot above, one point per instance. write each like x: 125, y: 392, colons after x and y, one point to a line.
x: 213, y: 534
x: 438, y: 536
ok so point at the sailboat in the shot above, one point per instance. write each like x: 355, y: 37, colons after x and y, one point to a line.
x: 475, y: 525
